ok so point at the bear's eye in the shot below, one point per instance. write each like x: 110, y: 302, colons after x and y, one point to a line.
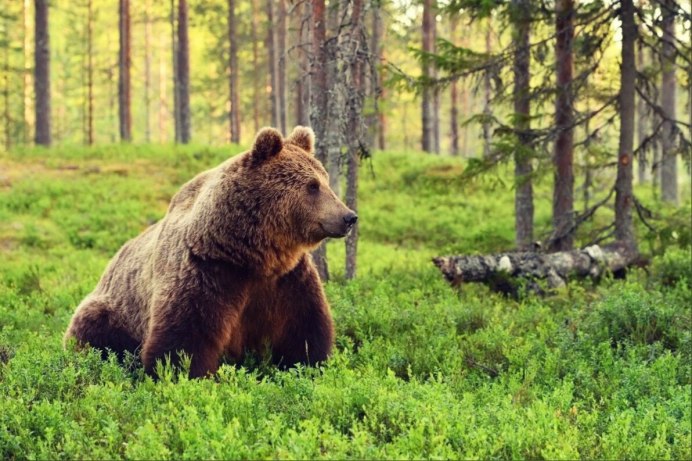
x: 314, y: 187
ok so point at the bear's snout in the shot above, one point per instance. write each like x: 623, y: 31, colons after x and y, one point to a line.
x: 350, y: 219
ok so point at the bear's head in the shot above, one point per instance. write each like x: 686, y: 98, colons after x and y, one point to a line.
x: 303, y: 209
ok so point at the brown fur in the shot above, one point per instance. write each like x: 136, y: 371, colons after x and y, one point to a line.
x: 227, y: 270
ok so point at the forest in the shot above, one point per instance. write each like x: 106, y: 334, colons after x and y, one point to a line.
x: 518, y: 283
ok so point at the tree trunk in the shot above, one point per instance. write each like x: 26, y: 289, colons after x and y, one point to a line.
x: 336, y: 100
x: 641, y: 120
x: 42, y: 72
x: 273, y: 64
x: 505, y: 271
x: 586, y: 187
x: 382, y: 91
x: 427, y: 100
x: 655, y: 143
x: 234, y: 114
x: 124, y: 59
x: 623, y: 184
x: 255, y: 67
x: 6, y: 83
x: 303, y: 79
x: 90, y: 75
x: 523, y: 199
x: 669, y: 176
x: 464, y: 110
x: 487, y: 93
x: 147, y: 71
x: 318, y: 107
x: 436, y: 89
x: 355, y: 129
x: 563, y: 189
x: 454, y: 98
x: 27, y: 71
x: 184, y: 73
x: 176, y: 82
x: 376, y: 80
x: 162, y: 90
x: 281, y: 55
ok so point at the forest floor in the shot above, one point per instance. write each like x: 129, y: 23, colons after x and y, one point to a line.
x: 421, y: 370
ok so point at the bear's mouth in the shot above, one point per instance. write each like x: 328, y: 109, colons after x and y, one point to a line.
x: 335, y: 234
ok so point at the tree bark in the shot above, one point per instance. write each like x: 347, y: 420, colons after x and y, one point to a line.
x: 6, y: 83
x: 42, y: 73
x: 147, y: 71
x: 375, y: 82
x: 655, y: 143
x: 624, y: 199
x: 234, y: 113
x: 273, y: 65
x: 318, y: 107
x: 124, y: 65
x: 669, y: 176
x: 255, y: 67
x: 184, y: 73
x: 355, y: 130
x: 281, y: 55
x: 382, y: 91
x: 563, y: 189
x: 162, y: 90
x: 176, y: 82
x: 303, y: 79
x: 453, y: 98
x: 436, y: 89
x: 27, y: 71
x: 504, y: 272
x: 523, y: 169
x: 487, y: 112
x: 336, y: 117
x: 90, y: 75
x: 427, y: 103
x: 641, y: 120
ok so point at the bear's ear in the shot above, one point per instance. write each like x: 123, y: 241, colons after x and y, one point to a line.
x: 304, y: 138
x: 268, y: 143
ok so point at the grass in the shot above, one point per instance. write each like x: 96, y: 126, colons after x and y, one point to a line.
x: 420, y: 370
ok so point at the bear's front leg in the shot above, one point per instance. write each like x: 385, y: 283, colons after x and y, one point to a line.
x: 167, y: 342
x: 307, y: 335
x: 197, y: 325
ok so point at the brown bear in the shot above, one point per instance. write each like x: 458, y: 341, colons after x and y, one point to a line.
x: 228, y: 268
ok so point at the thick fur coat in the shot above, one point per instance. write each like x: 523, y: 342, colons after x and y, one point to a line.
x: 227, y: 270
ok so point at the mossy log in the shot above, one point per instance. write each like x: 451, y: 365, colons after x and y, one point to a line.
x: 507, y: 272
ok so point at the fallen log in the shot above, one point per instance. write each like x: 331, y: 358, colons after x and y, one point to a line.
x: 508, y: 272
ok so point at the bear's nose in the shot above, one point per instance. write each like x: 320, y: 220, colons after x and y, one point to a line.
x: 351, y: 218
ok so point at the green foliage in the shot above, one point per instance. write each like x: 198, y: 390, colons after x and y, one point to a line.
x: 420, y: 370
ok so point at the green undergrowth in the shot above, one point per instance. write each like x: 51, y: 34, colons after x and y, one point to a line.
x: 420, y: 370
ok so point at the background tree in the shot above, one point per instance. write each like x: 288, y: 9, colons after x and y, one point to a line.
x: 124, y: 65
x: 454, y: 98
x: 183, y: 74
x: 42, y: 73
x: 356, y: 59
x: 318, y: 106
x: 282, y: 31
x: 563, y: 191
x: 669, y: 173
x: 523, y: 197
x: 234, y: 113
x: 90, y: 74
x: 26, y: 64
x: 428, y: 116
x: 272, y: 50
x: 624, y: 198
x: 147, y: 70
